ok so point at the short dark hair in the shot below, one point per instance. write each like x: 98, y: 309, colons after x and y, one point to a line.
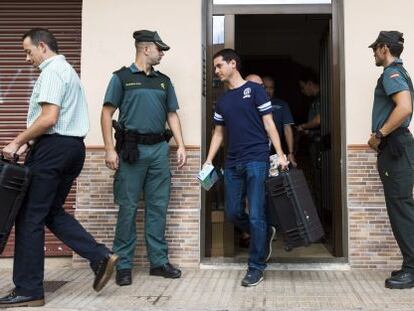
x: 38, y: 35
x: 309, y: 75
x: 228, y: 55
x: 395, y: 49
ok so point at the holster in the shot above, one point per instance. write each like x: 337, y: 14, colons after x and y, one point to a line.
x: 125, y: 143
x: 129, y: 151
x: 168, y: 134
x: 119, y: 136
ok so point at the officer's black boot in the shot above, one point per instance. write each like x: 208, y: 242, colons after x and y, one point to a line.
x: 123, y: 277
x: 400, y: 281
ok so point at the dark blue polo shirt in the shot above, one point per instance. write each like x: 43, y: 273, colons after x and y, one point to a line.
x: 392, y: 80
x: 240, y: 110
x: 281, y: 114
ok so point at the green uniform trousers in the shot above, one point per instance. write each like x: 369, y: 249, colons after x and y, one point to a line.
x: 397, y: 176
x: 151, y: 175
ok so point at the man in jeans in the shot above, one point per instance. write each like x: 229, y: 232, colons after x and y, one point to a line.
x: 246, y: 113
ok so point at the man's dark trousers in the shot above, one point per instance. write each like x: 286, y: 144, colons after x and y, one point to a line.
x: 55, y: 162
x: 397, y: 176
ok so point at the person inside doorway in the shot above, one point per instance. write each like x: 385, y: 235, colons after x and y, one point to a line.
x: 309, y: 86
x: 244, y: 113
x: 282, y: 117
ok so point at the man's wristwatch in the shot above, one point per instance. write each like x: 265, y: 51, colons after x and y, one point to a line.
x: 379, y: 135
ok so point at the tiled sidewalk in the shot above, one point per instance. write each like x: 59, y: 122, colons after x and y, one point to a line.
x: 220, y: 290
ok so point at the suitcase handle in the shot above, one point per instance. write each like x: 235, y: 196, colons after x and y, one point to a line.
x: 14, y: 160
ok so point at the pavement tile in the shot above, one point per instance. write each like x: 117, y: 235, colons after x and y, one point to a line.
x: 220, y: 290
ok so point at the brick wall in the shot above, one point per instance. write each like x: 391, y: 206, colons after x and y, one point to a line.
x: 371, y: 242
x: 97, y: 212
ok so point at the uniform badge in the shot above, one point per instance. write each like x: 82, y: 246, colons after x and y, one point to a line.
x: 162, y: 85
x: 394, y: 75
x: 246, y: 93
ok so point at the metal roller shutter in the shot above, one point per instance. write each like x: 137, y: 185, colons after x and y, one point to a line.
x: 17, y: 78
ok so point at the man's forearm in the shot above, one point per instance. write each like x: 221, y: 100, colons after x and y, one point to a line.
x: 289, y: 137
x: 271, y: 131
x: 38, y: 128
x: 215, y: 144
x: 314, y: 123
x: 175, y: 126
x: 106, y: 126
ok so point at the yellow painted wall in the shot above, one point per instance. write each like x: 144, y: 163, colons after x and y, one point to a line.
x: 107, y: 44
x: 363, y: 21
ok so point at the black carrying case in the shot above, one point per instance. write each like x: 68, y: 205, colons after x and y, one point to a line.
x: 14, y: 182
x: 293, y: 209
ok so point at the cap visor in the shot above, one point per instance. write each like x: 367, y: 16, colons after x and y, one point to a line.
x: 373, y: 45
x: 162, y: 45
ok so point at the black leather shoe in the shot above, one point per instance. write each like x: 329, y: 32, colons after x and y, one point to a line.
x: 396, y: 272
x: 167, y: 271
x: 103, y: 271
x: 400, y: 281
x: 13, y: 300
x: 123, y: 277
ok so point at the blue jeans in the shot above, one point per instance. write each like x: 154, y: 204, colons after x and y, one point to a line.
x: 249, y: 179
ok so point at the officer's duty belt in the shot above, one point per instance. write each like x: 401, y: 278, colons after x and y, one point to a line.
x: 149, y: 139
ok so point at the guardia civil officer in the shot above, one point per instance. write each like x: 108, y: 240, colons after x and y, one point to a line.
x: 146, y: 101
x: 391, y: 115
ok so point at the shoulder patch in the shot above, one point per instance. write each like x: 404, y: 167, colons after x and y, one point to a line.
x: 394, y: 75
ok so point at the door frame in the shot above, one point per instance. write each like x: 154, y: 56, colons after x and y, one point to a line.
x: 336, y: 9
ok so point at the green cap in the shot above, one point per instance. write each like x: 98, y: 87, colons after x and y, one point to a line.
x: 150, y: 36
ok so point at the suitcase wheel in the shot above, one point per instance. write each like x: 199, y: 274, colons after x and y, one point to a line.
x: 288, y: 248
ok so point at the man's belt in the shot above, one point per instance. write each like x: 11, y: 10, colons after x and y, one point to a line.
x: 127, y: 141
x: 147, y: 139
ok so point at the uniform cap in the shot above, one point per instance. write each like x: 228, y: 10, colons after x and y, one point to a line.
x: 150, y: 36
x: 390, y: 38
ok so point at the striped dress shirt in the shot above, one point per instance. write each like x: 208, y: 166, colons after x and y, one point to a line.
x: 59, y: 84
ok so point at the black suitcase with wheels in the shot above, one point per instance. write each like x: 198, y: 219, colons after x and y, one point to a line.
x: 292, y: 205
x: 14, y: 181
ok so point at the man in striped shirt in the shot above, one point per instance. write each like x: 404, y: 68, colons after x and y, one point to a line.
x: 57, y: 123
x: 245, y: 112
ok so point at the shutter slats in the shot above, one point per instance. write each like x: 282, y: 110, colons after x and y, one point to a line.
x: 17, y: 77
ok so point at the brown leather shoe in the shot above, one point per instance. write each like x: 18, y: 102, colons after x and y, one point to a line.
x: 13, y: 300
x: 104, y: 271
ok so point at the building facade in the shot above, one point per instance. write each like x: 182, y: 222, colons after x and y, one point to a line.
x: 361, y: 234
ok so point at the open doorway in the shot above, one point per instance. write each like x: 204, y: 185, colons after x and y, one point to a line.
x: 285, y: 48
x: 281, y: 46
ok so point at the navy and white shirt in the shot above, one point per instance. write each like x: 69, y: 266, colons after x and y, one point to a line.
x: 240, y: 110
